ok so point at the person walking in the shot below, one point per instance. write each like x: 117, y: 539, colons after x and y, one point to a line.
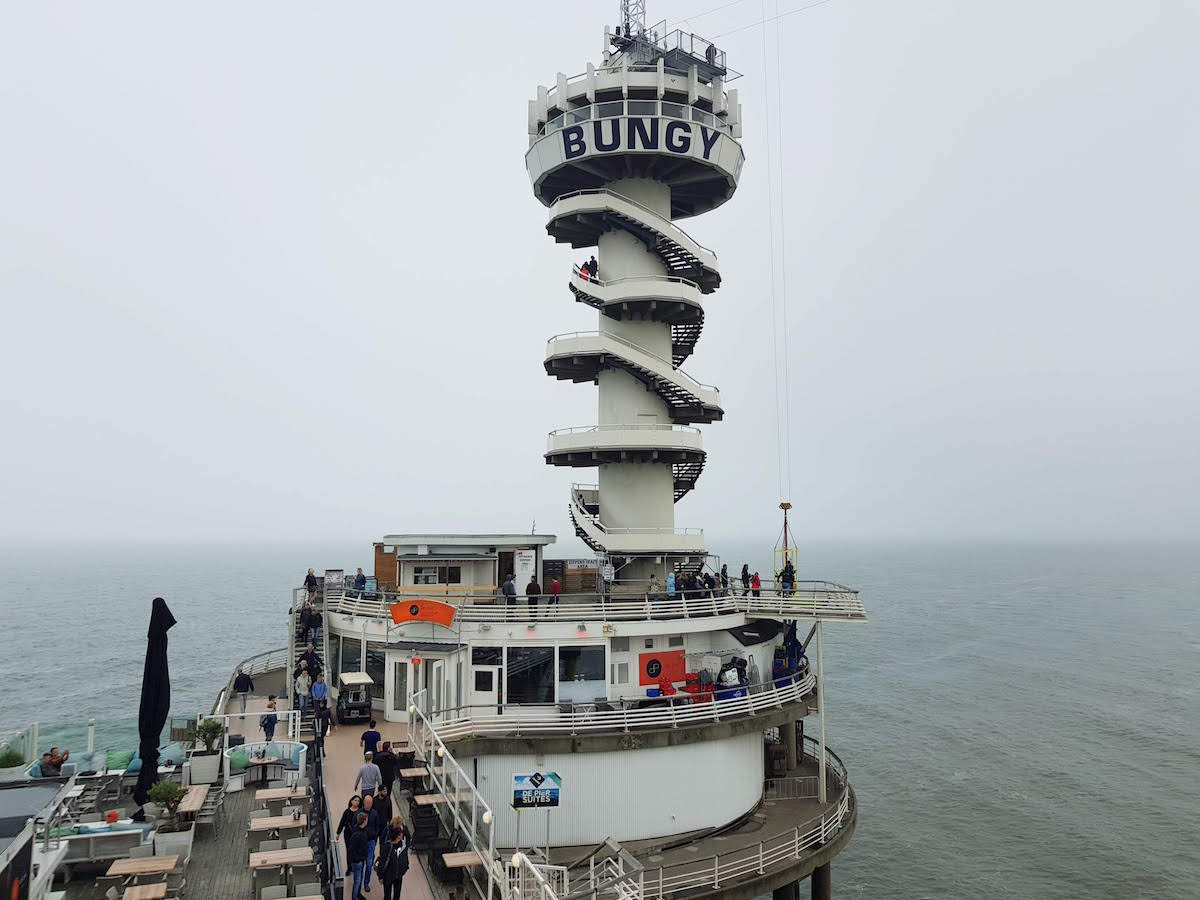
x: 382, y: 805
x: 372, y: 830
x: 360, y: 582
x: 242, y: 685
x: 320, y: 690
x: 268, y: 720
x: 310, y: 585
x: 324, y: 719
x: 312, y: 661
x: 368, y: 777
x: 755, y: 585
x: 594, y: 268
x: 533, y: 590
x: 358, y: 848
x: 347, y: 823
x: 386, y: 760
x: 395, y: 864
x: 555, y: 590
x: 724, y: 578
x: 303, y: 690
x: 745, y: 579
x: 369, y: 740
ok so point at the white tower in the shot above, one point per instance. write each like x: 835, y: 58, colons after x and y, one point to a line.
x: 618, y: 154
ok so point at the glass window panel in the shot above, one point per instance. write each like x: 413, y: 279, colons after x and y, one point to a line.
x: 351, y: 655
x: 699, y: 115
x: 643, y: 107
x: 400, y: 685
x: 484, y: 682
x: 335, y: 654
x: 675, y: 640
x: 487, y: 656
x: 529, y: 675
x: 376, y: 668
x: 674, y: 110
x: 554, y: 124
x: 610, y: 110
x: 620, y: 644
x: 575, y: 116
x: 580, y: 674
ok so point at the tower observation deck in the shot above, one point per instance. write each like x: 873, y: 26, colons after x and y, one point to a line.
x: 618, y: 154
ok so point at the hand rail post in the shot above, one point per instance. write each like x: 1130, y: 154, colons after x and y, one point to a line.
x: 796, y: 851
x: 760, y: 857
x: 716, y: 872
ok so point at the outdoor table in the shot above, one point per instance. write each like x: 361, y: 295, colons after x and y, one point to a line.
x: 146, y: 891
x: 463, y: 860
x: 283, y: 793
x: 193, y: 800
x: 143, y: 865
x: 418, y: 772
x: 270, y: 823
x: 430, y: 799
x: 263, y: 761
x: 297, y: 856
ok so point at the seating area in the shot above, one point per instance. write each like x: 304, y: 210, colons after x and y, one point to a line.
x: 281, y: 860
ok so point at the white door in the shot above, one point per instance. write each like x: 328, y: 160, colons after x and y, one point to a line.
x: 396, y: 688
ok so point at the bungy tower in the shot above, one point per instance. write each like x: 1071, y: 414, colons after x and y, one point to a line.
x: 618, y: 155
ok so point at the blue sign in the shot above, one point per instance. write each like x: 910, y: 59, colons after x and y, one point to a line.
x: 539, y: 790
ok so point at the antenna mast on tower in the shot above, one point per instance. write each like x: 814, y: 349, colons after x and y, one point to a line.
x: 633, y: 16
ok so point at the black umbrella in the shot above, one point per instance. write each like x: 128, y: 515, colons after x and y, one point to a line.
x: 156, y: 699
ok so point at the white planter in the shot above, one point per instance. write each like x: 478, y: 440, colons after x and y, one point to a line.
x: 180, y: 842
x: 205, y: 769
x: 15, y: 773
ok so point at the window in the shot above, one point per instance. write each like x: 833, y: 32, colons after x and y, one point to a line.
x: 400, y: 685
x: 619, y: 673
x: 351, y: 655
x: 620, y: 645
x: 484, y: 682
x: 487, y: 656
x: 580, y: 674
x: 530, y: 675
x: 376, y: 668
x: 649, y: 643
x: 458, y: 683
x: 335, y: 654
x: 675, y: 640
x: 437, y: 574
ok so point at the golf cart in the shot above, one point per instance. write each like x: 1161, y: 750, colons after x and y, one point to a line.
x: 354, y: 697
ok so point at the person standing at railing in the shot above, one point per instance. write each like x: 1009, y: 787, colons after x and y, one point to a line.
x: 555, y: 590
x: 652, y: 588
x: 745, y: 579
x: 671, y: 585
x: 533, y: 590
x: 724, y: 579
x: 593, y: 268
x: 788, y: 579
x: 509, y: 590
x: 242, y: 685
x: 756, y: 585
x: 360, y: 582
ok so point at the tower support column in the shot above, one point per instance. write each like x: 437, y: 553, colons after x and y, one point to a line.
x: 821, y: 719
x: 822, y: 882
x: 790, y: 891
x: 789, y: 743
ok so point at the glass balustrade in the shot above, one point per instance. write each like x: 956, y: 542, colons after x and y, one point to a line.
x: 612, y: 109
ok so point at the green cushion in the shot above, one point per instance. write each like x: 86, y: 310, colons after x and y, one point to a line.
x: 118, y: 759
x: 238, y: 761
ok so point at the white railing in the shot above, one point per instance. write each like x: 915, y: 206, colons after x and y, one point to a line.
x: 795, y: 787
x: 470, y: 813
x: 616, y: 282
x: 657, y: 362
x: 677, y: 711
x: 253, y: 665
x: 638, y: 109
x: 589, y: 429
x: 809, y: 600
x: 532, y: 881
x: 646, y: 216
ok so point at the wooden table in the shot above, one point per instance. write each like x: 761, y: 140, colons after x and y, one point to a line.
x: 143, y: 865
x: 462, y: 860
x: 146, y: 891
x: 193, y: 800
x: 430, y: 799
x: 298, y: 856
x: 270, y: 823
x: 283, y: 793
x: 419, y: 772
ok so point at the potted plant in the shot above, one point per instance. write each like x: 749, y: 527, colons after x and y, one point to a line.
x: 206, y: 763
x: 171, y: 836
x: 12, y: 764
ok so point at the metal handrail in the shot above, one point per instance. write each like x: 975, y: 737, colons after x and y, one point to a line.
x: 612, y: 282
x: 260, y: 662
x: 672, y: 713
x: 588, y: 429
x: 668, y: 225
x: 696, y: 384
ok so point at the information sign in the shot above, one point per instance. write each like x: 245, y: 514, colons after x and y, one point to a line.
x: 538, y: 790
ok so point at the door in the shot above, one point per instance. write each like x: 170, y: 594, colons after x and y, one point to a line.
x: 437, y: 676
x: 396, y: 690
x: 484, y: 691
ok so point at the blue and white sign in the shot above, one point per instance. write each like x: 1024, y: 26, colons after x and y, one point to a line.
x: 538, y: 790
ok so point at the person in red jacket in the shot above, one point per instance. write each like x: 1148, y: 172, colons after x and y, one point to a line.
x: 555, y: 590
x: 755, y: 585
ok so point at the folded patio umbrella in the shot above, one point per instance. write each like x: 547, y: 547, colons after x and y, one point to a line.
x: 156, y: 698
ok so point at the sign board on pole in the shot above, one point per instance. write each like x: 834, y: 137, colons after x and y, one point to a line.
x: 538, y: 790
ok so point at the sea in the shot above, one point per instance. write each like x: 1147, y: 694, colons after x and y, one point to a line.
x: 1018, y: 719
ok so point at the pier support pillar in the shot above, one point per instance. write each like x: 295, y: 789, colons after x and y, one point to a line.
x: 789, y: 743
x: 790, y: 891
x: 822, y: 882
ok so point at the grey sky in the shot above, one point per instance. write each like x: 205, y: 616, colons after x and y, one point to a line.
x: 273, y: 271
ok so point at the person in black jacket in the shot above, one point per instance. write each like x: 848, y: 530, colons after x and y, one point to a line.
x: 346, y: 824
x: 310, y: 584
x: 394, y: 862
x: 242, y: 685
x: 358, y: 852
x: 382, y: 804
x: 386, y: 760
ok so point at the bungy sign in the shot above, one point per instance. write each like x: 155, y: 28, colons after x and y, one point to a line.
x: 538, y: 790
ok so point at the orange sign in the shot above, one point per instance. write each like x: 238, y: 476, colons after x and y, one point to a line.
x: 423, y: 611
x: 654, y: 667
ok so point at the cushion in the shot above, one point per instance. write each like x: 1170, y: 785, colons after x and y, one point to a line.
x: 299, y: 748
x: 171, y: 755
x: 118, y: 759
x: 35, y: 771
x: 238, y: 761
x: 273, y: 750
x: 135, y: 766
